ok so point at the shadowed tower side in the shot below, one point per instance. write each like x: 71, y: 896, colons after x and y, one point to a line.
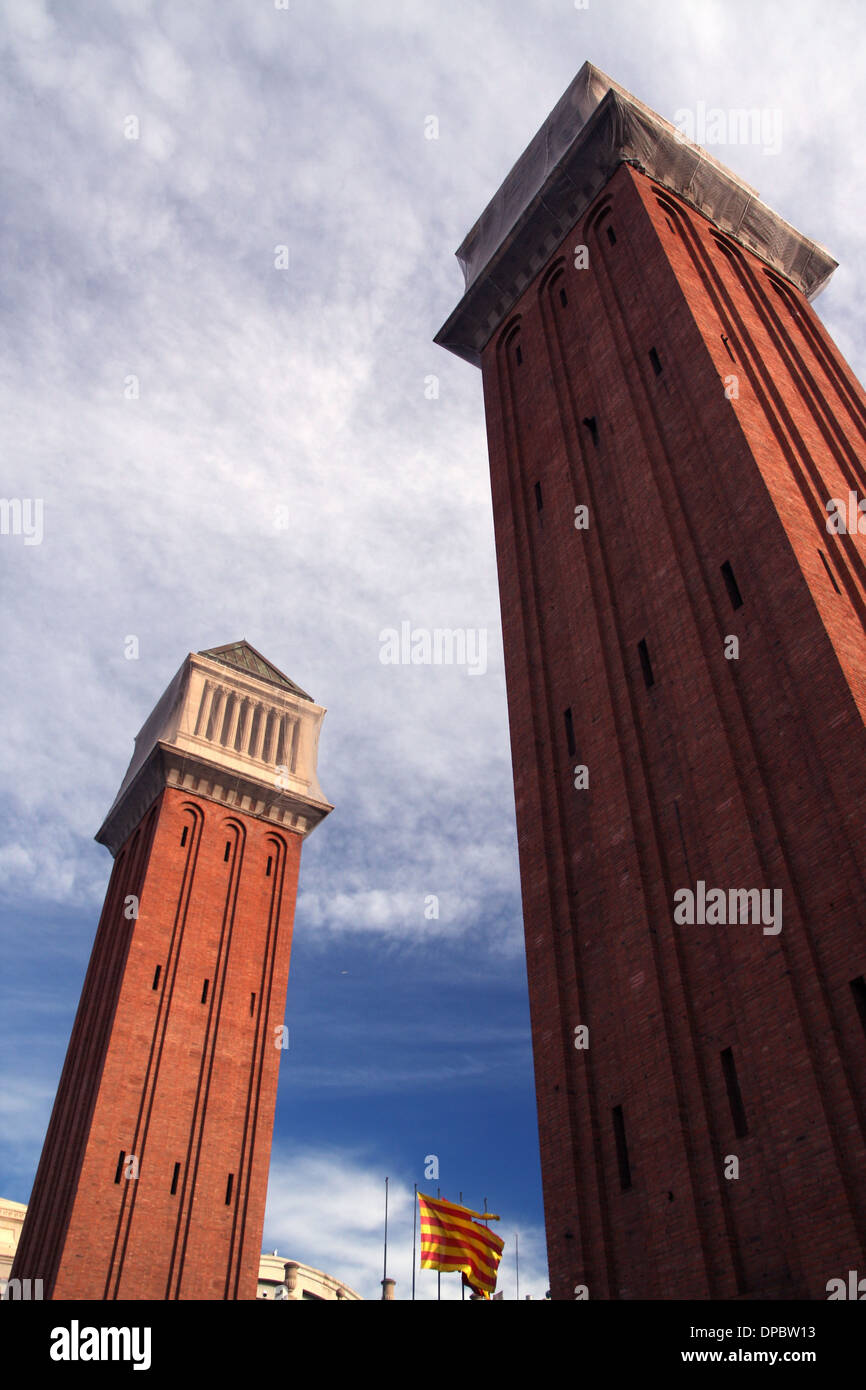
x: 668, y: 422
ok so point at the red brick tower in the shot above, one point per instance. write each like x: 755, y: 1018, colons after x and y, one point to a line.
x: 171, y: 1071
x: 686, y: 673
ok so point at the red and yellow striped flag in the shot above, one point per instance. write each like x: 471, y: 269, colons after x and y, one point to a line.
x: 452, y: 1240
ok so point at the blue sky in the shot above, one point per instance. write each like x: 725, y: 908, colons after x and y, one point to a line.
x: 301, y: 393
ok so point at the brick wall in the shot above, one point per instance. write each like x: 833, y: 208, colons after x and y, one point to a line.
x: 746, y: 773
x: 156, y: 1073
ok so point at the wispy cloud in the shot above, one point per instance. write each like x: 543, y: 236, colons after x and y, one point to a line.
x: 327, y: 1209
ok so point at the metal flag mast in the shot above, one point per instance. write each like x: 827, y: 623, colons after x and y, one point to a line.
x: 385, y: 1261
x: 414, y: 1228
x: 438, y: 1272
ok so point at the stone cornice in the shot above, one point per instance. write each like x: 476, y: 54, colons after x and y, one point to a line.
x: 594, y: 128
x: 227, y: 735
x: 169, y: 767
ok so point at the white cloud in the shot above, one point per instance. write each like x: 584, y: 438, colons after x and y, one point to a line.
x: 326, y: 1208
x: 306, y: 388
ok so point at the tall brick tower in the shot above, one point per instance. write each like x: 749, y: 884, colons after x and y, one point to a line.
x: 683, y: 619
x: 154, y: 1170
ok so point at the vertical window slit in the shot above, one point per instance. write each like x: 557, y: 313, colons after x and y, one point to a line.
x: 239, y: 727
x: 563, y: 298
x: 735, y: 1099
x: 281, y: 743
x: 229, y: 1185
x: 254, y: 731
x: 228, y: 851
x: 252, y: 1004
x: 731, y: 585
x: 654, y: 358
x: 646, y: 664
x: 118, y: 1172
x: 205, y: 696
x: 183, y: 836
x: 611, y: 236
x: 268, y: 869
x: 215, y: 711
x: 204, y: 992
x: 156, y: 975
x: 858, y: 989
x: 268, y: 744
x: 539, y: 503
x: 621, y: 1149
x: 174, y: 1179
x: 569, y: 732
x: 592, y: 425
x: 518, y: 353
x: 296, y: 736
x: 227, y: 720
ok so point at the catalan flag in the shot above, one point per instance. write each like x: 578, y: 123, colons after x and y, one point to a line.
x: 452, y: 1239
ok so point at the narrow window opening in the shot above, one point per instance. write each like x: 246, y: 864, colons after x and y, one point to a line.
x: 239, y: 731
x: 569, y: 732
x: 646, y: 664
x: 118, y: 1172
x: 204, y: 992
x: 538, y: 499
x: 183, y: 836
x: 268, y: 743
x: 611, y: 236
x: 281, y: 743
x: 518, y: 353
x: 735, y: 1099
x: 830, y: 573
x: 228, y: 851
x: 592, y: 425
x: 563, y: 298
x: 255, y: 726
x: 731, y: 585
x: 268, y: 869
x: 621, y: 1149
x: 858, y: 989
x: 174, y: 1179
x: 252, y: 1004
x: 227, y: 719
x: 229, y: 1185
x: 728, y: 348
x: 156, y: 975
x: 656, y: 361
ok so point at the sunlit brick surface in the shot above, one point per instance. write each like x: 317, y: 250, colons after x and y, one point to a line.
x: 161, y: 1075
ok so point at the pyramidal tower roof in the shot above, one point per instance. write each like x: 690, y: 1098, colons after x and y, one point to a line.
x: 246, y: 658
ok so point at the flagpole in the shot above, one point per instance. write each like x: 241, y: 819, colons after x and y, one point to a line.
x: 438, y: 1272
x: 517, y: 1262
x: 414, y: 1228
x: 486, y: 1223
x: 462, y: 1285
x: 385, y: 1264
